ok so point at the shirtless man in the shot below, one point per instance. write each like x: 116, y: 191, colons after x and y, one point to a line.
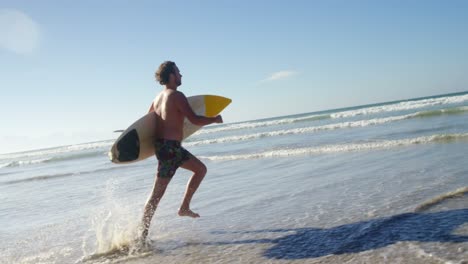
x: 171, y: 107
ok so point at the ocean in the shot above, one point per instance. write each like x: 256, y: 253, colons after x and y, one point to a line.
x: 381, y: 183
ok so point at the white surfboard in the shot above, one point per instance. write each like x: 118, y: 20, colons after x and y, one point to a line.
x: 136, y: 142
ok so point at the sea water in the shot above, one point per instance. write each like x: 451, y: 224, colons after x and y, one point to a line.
x: 382, y: 183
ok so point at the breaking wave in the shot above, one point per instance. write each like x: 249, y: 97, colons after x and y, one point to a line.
x: 23, y: 163
x: 350, y: 124
x: 351, y: 147
x: 407, y: 105
x: 59, y: 150
x: 360, y: 123
x: 54, y: 176
x: 449, y: 111
x: 250, y: 125
x: 20, y: 163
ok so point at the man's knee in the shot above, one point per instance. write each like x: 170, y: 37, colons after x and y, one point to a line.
x: 196, y: 166
x: 202, y: 169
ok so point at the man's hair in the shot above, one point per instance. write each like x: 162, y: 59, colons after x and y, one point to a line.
x: 164, y: 71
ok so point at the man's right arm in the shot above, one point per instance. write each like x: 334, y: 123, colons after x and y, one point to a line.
x: 184, y: 107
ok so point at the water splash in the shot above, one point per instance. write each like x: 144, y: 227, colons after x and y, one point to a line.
x: 114, y: 230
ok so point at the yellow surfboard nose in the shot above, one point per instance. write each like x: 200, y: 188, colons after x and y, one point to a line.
x: 215, y: 104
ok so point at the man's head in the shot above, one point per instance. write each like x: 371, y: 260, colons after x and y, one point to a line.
x: 168, y: 74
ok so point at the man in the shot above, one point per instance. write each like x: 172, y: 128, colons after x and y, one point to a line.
x: 171, y: 107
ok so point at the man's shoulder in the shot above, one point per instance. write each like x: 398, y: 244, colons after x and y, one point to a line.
x: 175, y: 95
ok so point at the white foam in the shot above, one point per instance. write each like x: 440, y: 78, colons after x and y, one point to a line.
x: 4, y: 165
x: 409, y: 105
x: 343, y: 147
x: 95, y: 145
x: 351, y: 124
x: 59, y: 150
x: 250, y: 125
x: 23, y: 163
x: 447, y: 111
x: 59, y: 157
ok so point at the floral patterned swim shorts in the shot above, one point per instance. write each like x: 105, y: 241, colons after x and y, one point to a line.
x: 171, y: 155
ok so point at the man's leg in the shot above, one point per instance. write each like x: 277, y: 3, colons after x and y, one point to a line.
x: 199, y: 172
x: 159, y: 188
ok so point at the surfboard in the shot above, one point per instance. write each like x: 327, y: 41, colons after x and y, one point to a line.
x: 136, y: 142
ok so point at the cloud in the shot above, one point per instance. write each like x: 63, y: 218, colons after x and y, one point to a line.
x: 280, y: 75
x: 18, y: 32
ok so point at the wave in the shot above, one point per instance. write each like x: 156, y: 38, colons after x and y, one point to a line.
x: 20, y: 163
x: 38, y: 178
x: 349, y: 124
x: 449, y: 111
x: 341, y: 148
x: 54, y: 176
x: 407, y: 105
x: 59, y: 150
x: 87, y: 146
x: 437, y: 200
x: 4, y: 173
x: 250, y: 125
x: 73, y: 152
x: 23, y: 162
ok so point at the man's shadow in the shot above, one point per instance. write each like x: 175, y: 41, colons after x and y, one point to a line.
x: 362, y: 236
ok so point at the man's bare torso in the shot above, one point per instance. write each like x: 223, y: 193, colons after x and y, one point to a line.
x: 170, y: 119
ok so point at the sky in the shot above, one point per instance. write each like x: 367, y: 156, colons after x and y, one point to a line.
x: 74, y: 71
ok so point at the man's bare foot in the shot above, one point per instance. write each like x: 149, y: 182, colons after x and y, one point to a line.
x: 188, y: 212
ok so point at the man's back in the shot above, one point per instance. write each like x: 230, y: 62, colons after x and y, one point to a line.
x: 170, y: 119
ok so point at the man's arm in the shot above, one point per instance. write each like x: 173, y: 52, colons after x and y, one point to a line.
x: 184, y: 107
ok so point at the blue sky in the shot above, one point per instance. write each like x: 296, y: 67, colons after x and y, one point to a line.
x: 74, y: 71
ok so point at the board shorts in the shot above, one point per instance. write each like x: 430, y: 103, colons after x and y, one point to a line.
x: 171, y: 155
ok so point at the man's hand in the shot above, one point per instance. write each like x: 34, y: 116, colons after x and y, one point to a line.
x: 219, y: 119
